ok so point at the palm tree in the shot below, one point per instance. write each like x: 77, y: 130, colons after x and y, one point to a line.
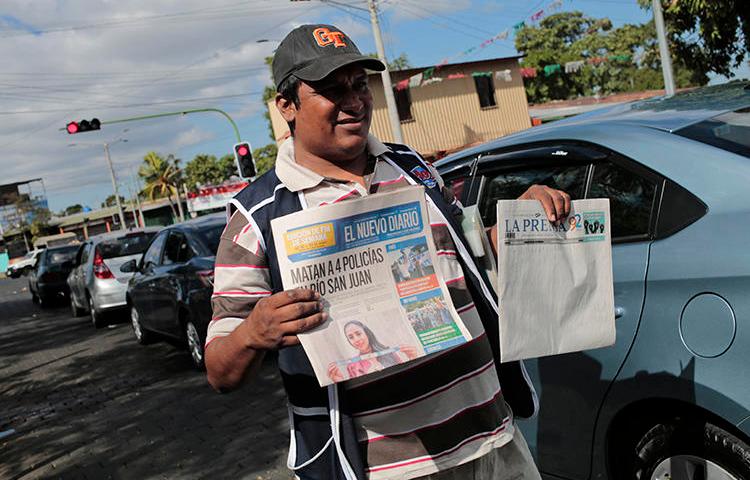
x: 162, y: 177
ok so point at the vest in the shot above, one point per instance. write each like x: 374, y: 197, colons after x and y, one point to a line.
x: 323, y: 442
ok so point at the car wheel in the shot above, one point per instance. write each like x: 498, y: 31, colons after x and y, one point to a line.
x: 681, y: 450
x: 194, y: 344
x: 96, y: 316
x: 75, y: 310
x: 142, y: 335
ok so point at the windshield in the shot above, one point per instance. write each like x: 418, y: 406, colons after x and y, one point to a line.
x: 58, y: 256
x: 130, y: 244
x: 728, y: 131
x: 211, y: 236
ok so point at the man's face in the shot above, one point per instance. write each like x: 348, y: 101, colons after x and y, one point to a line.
x: 334, y: 115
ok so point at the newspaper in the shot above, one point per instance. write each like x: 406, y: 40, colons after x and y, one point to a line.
x: 373, y: 262
x: 554, y: 281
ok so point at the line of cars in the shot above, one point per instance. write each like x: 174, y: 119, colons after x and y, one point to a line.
x: 162, y: 276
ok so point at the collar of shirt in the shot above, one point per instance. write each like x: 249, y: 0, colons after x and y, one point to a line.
x: 297, y: 178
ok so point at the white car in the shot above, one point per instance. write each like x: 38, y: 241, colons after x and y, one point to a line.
x: 24, y: 265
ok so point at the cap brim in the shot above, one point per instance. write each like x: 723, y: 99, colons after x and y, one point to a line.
x: 322, y: 67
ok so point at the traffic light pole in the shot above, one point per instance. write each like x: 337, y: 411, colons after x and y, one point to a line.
x: 181, y: 112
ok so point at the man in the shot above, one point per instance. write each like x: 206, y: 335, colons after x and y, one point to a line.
x: 443, y: 416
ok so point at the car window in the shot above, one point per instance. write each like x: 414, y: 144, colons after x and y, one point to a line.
x: 177, y: 249
x: 508, y: 185
x: 154, y: 251
x: 130, y: 244
x: 729, y: 131
x: 59, y: 256
x: 211, y: 237
x: 631, y: 198
x: 85, y: 254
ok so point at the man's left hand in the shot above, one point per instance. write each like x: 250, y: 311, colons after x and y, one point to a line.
x: 556, y: 203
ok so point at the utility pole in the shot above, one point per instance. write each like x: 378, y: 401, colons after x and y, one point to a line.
x: 390, y: 100
x: 666, y: 59
x: 114, y: 186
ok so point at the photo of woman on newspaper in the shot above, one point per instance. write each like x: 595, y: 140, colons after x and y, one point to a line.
x: 372, y: 355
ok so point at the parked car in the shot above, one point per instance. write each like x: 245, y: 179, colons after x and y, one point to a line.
x: 673, y: 394
x: 25, y: 265
x: 96, y: 283
x: 170, y: 292
x: 47, y: 280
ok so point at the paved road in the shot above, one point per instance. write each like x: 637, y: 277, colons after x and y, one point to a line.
x: 76, y: 402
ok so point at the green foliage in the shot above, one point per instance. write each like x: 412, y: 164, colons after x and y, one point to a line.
x: 265, y: 157
x: 572, y: 36
x: 110, y: 201
x: 162, y: 177
x: 73, y: 209
x: 208, y: 170
x: 399, y: 63
x: 722, y: 28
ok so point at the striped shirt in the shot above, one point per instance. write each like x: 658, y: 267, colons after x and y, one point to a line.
x: 413, y: 419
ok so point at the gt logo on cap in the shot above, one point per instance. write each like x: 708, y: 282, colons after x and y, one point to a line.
x: 324, y: 37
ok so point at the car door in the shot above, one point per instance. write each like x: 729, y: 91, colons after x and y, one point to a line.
x: 571, y: 387
x: 167, y: 282
x: 74, y: 278
x: 141, y: 289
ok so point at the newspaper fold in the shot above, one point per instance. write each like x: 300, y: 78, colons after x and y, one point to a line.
x: 554, y: 281
x: 373, y: 262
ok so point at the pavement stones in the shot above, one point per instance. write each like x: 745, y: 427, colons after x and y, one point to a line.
x: 81, y: 403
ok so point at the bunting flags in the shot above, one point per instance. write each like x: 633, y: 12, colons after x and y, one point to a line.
x: 528, y: 72
x: 572, y: 67
x: 415, y: 80
x: 537, y: 16
x: 503, y: 75
x: 454, y: 76
x: 518, y: 26
x: 403, y: 84
x: 551, y: 69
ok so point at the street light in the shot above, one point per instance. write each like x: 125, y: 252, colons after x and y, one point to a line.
x: 120, y: 212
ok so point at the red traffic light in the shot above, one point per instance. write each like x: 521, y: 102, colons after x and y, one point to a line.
x: 243, y: 154
x: 83, y: 126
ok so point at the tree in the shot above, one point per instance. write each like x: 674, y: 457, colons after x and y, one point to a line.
x: 265, y: 157
x: 162, y: 177
x: 399, y: 63
x: 616, y: 60
x: 110, y: 201
x: 207, y: 170
x: 73, y: 209
x: 722, y: 28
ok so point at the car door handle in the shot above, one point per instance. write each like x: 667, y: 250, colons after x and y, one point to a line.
x: 619, y: 312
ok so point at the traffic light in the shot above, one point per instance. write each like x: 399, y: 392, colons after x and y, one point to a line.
x: 243, y: 154
x: 84, y: 126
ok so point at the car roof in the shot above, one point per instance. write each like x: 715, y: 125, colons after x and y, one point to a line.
x: 121, y: 233
x: 667, y: 114
x: 210, y: 220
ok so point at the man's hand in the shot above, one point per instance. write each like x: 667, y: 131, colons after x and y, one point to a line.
x: 276, y: 321
x: 556, y: 203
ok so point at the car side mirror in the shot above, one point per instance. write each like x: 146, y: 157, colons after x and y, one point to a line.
x: 129, y: 267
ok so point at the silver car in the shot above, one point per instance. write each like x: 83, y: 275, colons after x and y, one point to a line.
x: 96, y: 283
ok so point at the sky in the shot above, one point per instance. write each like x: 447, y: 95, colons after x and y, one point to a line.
x: 67, y: 60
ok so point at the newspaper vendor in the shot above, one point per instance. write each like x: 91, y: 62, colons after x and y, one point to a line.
x: 439, y: 417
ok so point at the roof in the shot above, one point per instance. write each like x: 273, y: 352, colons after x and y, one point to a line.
x: 77, y: 218
x: 661, y: 113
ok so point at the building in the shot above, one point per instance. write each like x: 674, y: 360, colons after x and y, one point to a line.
x: 453, y: 106
x: 20, y: 204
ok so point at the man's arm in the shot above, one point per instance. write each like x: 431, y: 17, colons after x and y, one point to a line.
x: 247, y: 320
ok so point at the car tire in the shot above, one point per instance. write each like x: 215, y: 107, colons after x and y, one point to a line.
x: 75, y: 310
x: 194, y: 345
x: 142, y: 336
x: 96, y: 316
x: 671, y: 450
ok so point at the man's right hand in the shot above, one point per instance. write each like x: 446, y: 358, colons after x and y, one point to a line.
x: 276, y: 321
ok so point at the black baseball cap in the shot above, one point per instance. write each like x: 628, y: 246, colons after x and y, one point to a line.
x: 312, y: 52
